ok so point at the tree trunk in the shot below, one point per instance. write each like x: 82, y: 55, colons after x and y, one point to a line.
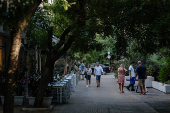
x: 47, y: 72
x: 13, y: 59
x: 11, y: 70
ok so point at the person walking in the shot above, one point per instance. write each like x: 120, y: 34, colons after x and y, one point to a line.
x: 82, y: 69
x: 141, y: 72
x: 121, y: 77
x: 98, y: 71
x: 88, y: 72
x: 76, y: 71
x: 75, y: 68
x: 132, y: 76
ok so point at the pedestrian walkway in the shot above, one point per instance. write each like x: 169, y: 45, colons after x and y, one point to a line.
x: 106, y: 99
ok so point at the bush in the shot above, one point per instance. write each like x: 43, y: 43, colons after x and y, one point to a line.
x: 153, y: 69
x: 116, y: 74
x: 164, y: 76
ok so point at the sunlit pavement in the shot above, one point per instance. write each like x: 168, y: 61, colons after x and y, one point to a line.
x: 107, y: 99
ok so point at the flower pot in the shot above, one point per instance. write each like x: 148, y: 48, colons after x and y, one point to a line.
x: 167, y: 88
x: 155, y: 84
x: 161, y: 87
x: 46, y: 101
x: 17, y: 100
x: 31, y: 100
x: 148, y: 81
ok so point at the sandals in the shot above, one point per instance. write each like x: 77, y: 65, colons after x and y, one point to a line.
x: 121, y: 92
x: 143, y: 94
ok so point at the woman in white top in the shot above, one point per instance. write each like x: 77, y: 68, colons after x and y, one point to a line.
x: 88, y: 72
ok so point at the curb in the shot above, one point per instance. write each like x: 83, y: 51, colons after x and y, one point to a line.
x: 50, y: 108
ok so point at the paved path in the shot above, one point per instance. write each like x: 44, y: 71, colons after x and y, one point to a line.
x: 107, y: 99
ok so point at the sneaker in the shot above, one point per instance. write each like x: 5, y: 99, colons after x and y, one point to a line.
x: 132, y: 90
x: 87, y: 86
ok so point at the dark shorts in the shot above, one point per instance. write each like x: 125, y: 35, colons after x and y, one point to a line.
x: 98, y: 77
x: 132, y: 81
x: 88, y: 77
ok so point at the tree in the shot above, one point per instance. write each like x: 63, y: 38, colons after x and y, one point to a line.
x: 81, y: 22
x: 14, y: 17
x: 86, y: 18
x: 130, y: 20
x: 145, y: 25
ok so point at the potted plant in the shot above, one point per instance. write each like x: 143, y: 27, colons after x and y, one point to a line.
x: 116, y: 75
x: 63, y: 77
x: 19, y: 91
x: 32, y: 92
x: 58, y: 79
x: 164, y: 77
x: 48, y: 97
x: 46, y: 100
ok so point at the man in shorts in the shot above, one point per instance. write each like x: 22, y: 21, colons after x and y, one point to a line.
x: 98, y: 71
x: 141, y: 72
